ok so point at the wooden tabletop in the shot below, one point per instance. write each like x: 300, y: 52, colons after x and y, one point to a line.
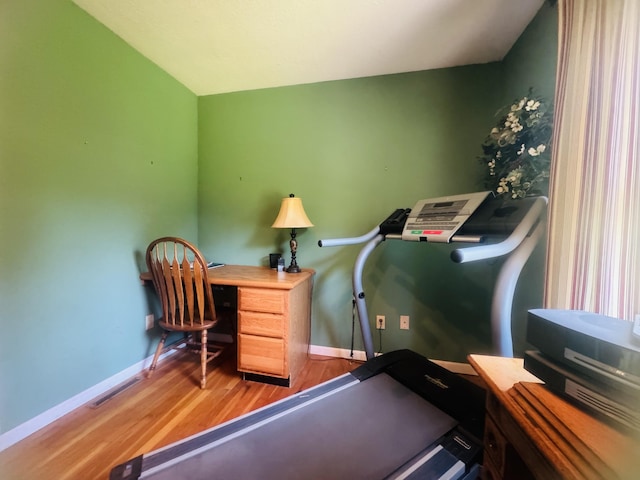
x: 576, y: 443
x: 251, y: 276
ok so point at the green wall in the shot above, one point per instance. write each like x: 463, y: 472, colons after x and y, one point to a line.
x: 532, y: 63
x: 98, y: 153
x: 101, y: 152
x: 355, y: 150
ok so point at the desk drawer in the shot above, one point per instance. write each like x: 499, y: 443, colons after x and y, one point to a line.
x: 489, y: 471
x: 494, y: 447
x: 267, y: 300
x: 501, y: 457
x: 261, y: 355
x: 264, y: 324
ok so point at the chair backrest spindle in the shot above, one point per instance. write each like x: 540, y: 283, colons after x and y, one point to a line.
x: 180, y: 278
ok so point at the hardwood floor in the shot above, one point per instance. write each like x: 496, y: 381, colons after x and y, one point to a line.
x: 88, y: 442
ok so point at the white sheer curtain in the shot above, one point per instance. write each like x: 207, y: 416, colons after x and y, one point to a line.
x: 594, y: 213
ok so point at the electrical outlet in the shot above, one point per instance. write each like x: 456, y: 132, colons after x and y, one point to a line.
x: 404, y: 322
x: 380, y: 323
x: 149, y: 321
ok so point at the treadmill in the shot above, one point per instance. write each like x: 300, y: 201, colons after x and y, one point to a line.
x: 484, y: 225
x: 398, y: 416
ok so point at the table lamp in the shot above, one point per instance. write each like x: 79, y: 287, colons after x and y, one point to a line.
x: 292, y: 215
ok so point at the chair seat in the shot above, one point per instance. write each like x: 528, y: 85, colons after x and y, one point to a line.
x: 196, y: 327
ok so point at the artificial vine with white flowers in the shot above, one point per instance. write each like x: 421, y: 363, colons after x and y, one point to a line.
x: 517, y: 151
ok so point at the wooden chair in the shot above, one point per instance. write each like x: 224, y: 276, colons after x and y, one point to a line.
x: 181, y: 281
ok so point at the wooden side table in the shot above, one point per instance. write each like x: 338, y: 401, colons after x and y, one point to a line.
x: 533, y: 433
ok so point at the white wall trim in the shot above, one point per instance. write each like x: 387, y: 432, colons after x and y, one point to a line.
x: 31, y: 426
x: 47, y: 417
x: 337, y: 352
x: 455, y: 367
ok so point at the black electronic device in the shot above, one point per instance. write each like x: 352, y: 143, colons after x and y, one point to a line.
x: 605, y: 401
x: 273, y: 260
x: 589, y: 358
x: 596, y: 345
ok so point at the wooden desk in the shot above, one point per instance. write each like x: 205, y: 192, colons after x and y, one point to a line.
x: 274, y: 317
x: 532, y: 433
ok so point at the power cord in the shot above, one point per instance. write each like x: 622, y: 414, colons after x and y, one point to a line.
x: 353, y: 324
x: 379, y: 327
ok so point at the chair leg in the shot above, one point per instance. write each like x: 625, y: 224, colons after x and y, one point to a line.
x: 157, y: 354
x: 203, y: 359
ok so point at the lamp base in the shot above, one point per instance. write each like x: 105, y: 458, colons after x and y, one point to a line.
x: 293, y: 269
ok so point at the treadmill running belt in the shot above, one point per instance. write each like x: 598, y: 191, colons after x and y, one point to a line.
x: 365, y: 430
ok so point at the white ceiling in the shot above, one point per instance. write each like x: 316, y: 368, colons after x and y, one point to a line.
x: 218, y: 46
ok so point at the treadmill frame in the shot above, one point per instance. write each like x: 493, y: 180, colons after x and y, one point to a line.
x: 519, y: 244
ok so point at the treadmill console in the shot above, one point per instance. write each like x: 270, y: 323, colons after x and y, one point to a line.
x: 438, y: 219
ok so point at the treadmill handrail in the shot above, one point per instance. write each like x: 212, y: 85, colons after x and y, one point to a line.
x: 358, y: 293
x: 472, y: 254
x: 527, y: 232
x: 337, y: 242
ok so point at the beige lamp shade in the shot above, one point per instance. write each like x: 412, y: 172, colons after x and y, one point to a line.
x: 291, y: 214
